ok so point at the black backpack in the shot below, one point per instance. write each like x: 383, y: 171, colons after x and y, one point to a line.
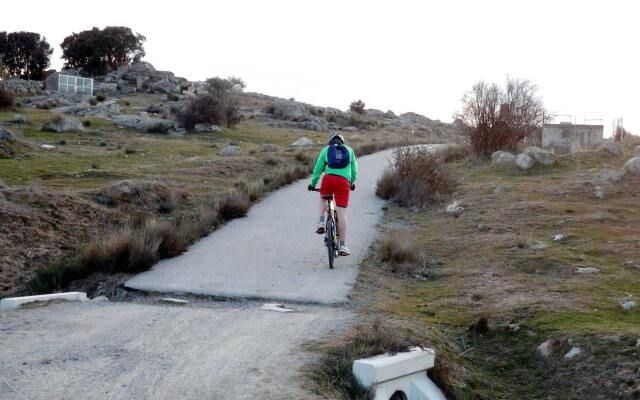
x: 338, y: 156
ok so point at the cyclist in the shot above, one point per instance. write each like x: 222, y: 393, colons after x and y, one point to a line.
x: 338, y: 162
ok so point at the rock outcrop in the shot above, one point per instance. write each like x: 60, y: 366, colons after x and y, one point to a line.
x: 503, y: 158
x: 7, y: 136
x: 63, y: 124
x: 632, y: 167
x: 142, y: 77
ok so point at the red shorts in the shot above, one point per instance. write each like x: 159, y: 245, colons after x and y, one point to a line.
x: 337, y: 186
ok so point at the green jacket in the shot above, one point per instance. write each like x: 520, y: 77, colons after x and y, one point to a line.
x: 350, y: 171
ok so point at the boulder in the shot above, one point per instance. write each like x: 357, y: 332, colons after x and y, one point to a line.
x: 541, y: 156
x: 63, y: 124
x: 231, y: 151
x: 628, y: 305
x: 106, y: 88
x: 636, y: 151
x: 315, y: 124
x: 207, y: 128
x: 503, y: 158
x: 7, y: 136
x: 611, y: 147
x: 302, y: 142
x: 270, y: 148
x: 288, y: 110
x: 524, y: 161
x: 545, y: 348
x: 18, y: 119
x: 165, y: 86
x: 144, y: 123
x: 574, y: 352
x: 632, y: 167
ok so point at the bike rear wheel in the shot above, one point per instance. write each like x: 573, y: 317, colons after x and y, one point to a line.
x: 330, y: 242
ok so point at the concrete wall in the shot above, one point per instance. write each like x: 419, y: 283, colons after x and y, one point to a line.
x: 571, y: 138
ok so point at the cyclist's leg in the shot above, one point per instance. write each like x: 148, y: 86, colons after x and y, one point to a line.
x: 342, y: 201
x: 342, y: 223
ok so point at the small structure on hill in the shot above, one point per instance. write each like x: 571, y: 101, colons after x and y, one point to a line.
x: 571, y: 138
x: 68, y: 83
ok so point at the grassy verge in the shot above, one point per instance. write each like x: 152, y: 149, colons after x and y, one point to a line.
x: 487, y: 287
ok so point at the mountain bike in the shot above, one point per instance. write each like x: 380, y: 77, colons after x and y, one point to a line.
x: 331, y: 229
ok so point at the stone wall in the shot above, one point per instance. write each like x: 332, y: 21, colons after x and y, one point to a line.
x: 570, y: 138
x: 22, y: 87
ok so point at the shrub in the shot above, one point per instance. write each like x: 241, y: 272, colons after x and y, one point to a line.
x: 232, y: 116
x: 357, y: 107
x: 398, y: 248
x: 367, y: 148
x: 170, y: 242
x: 93, y: 101
x: 202, y: 109
x: 172, y: 97
x: 234, y: 205
x: 199, y: 224
x: 415, y: 178
x: 302, y: 158
x: 496, y: 118
x: 86, y: 123
x: 57, y: 118
x: 6, y: 99
x: 101, y: 97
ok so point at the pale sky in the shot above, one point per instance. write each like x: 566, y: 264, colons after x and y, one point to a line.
x: 401, y: 55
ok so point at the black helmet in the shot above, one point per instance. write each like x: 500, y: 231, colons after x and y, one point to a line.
x: 336, y: 138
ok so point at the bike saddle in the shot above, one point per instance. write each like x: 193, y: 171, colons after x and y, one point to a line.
x: 328, y: 197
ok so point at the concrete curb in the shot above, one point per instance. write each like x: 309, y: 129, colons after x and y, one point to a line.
x: 12, y: 303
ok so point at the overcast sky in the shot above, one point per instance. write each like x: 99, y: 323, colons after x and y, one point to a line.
x: 400, y: 55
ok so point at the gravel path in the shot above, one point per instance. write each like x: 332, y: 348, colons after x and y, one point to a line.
x: 141, y: 351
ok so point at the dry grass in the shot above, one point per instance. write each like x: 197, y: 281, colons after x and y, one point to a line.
x: 415, y: 178
x: 234, y: 205
x: 398, y: 248
x: 334, y: 374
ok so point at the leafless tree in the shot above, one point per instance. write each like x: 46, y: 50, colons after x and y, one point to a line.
x: 499, y: 118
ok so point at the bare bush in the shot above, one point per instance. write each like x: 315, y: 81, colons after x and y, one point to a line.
x: 357, y: 107
x: 415, y: 178
x: 499, y: 118
x: 6, y: 99
x: 202, y: 109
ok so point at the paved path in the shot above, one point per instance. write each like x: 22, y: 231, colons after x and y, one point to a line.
x: 273, y: 253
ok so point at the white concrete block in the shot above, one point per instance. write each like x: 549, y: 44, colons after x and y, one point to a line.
x: 402, y: 372
x: 171, y: 300
x: 276, y: 307
x: 11, y: 303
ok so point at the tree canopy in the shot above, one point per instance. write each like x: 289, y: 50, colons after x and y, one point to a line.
x: 24, y: 54
x: 98, y: 51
